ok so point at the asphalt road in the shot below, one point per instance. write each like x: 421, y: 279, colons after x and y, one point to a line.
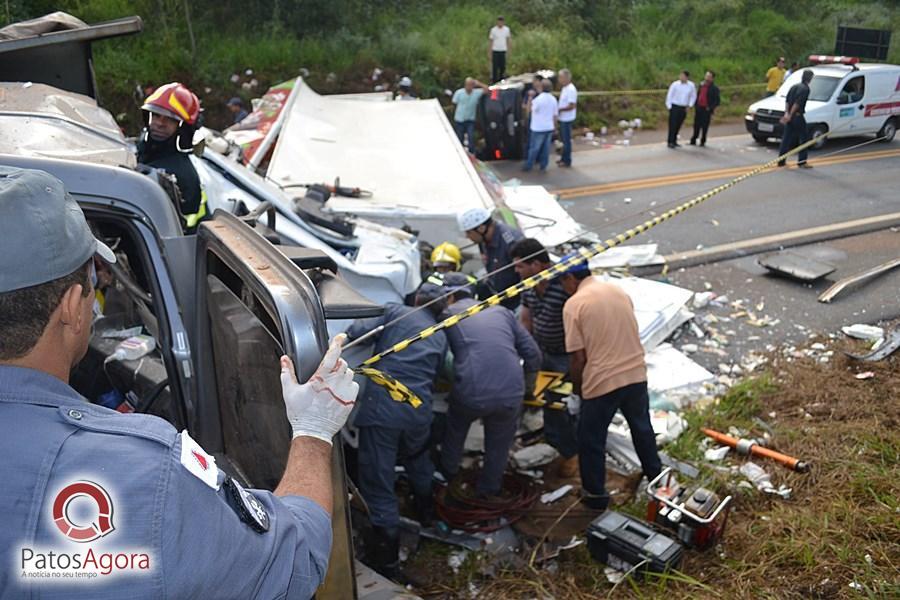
x: 610, y: 190
x: 847, y: 183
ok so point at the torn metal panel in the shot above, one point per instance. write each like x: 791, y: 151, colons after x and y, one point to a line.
x: 890, y: 345
x: 829, y: 294
x: 38, y: 120
x: 635, y: 255
x: 56, y: 50
x: 658, y: 307
x: 405, y: 153
x: 796, y: 266
x: 540, y: 215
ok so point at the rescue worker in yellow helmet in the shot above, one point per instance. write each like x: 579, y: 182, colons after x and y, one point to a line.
x: 446, y: 258
x: 172, y: 114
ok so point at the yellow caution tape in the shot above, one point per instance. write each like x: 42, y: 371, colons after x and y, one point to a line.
x: 584, y: 253
x: 397, y: 390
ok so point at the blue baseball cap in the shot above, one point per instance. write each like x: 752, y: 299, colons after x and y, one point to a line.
x: 458, y: 283
x: 580, y: 267
x: 43, y: 232
x: 429, y: 290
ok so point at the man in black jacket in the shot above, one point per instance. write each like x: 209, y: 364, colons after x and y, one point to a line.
x: 707, y: 101
x: 172, y: 115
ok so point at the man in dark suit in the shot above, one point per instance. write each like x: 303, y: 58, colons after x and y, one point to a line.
x: 707, y: 101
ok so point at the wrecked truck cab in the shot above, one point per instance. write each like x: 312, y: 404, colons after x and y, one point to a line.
x: 222, y: 305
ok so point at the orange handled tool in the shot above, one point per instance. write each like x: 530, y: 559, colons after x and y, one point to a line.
x: 745, y: 446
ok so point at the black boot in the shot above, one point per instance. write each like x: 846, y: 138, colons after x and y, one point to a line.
x: 382, y: 550
x: 424, y: 507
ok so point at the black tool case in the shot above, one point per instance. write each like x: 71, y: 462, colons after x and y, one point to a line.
x: 622, y: 542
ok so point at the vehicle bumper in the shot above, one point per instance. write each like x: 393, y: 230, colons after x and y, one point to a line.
x: 754, y: 129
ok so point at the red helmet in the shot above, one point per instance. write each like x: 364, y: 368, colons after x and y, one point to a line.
x: 175, y: 101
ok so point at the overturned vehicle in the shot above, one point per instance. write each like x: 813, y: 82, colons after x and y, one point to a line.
x: 398, y: 164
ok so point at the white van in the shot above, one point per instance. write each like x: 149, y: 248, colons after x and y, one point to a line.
x: 849, y: 99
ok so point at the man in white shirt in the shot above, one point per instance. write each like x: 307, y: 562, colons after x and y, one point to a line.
x: 568, y: 98
x: 500, y: 37
x: 682, y: 95
x: 544, y: 110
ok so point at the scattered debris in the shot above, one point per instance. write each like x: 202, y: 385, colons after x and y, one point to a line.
x: 865, y: 375
x: 456, y: 560
x: 763, y: 481
x: 674, y: 380
x: 535, y: 455
x: 795, y: 265
x: 556, y: 494
x: 716, y: 454
x: 829, y: 294
x: 637, y: 255
x: 860, y: 331
x: 890, y: 345
x: 702, y: 299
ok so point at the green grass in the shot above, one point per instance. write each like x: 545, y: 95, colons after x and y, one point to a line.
x: 735, y: 409
x: 608, y: 44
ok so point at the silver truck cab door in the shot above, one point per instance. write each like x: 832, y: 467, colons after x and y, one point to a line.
x: 253, y: 305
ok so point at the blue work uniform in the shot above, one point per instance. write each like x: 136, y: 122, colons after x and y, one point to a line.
x: 488, y: 384
x: 496, y: 255
x: 70, y: 466
x: 389, y: 429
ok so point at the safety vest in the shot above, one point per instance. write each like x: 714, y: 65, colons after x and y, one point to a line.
x: 191, y: 221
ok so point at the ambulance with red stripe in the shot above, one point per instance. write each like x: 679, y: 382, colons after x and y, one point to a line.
x: 846, y: 97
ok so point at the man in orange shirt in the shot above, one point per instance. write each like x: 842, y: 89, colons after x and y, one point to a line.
x: 608, y: 371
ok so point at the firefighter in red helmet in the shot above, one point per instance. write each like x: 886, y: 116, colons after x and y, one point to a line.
x: 171, y: 115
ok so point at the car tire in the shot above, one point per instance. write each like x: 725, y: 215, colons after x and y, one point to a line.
x: 814, y: 132
x: 888, y: 131
x: 760, y: 139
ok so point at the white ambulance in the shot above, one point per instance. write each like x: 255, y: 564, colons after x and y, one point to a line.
x: 846, y: 97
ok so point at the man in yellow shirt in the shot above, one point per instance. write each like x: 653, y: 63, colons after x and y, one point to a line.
x: 774, y: 77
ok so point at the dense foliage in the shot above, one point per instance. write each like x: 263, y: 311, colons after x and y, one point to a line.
x: 608, y: 44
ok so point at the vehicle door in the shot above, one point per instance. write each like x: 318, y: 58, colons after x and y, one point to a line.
x: 882, y: 99
x: 849, y: 118
x: 255, y: 304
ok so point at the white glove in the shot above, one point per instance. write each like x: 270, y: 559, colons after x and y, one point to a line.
x: 573, y: 404
x: 320, y: 407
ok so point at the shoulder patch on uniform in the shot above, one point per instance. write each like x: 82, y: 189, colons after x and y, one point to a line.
x: 247, y: 506
x: 196, y: 460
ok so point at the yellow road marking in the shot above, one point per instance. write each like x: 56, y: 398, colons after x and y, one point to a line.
x: 666, y: 180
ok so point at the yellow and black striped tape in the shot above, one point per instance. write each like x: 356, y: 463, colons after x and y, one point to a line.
x: 397, y: 390
x: 584, y: 253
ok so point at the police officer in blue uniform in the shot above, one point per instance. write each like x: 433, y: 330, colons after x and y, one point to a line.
x: 494, y: 239
x: 99, y: 504
x: 389, y: 429
x: 488, y: 382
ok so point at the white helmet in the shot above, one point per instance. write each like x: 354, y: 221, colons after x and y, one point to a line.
x: 472, y: 217
x: 405, y: 82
